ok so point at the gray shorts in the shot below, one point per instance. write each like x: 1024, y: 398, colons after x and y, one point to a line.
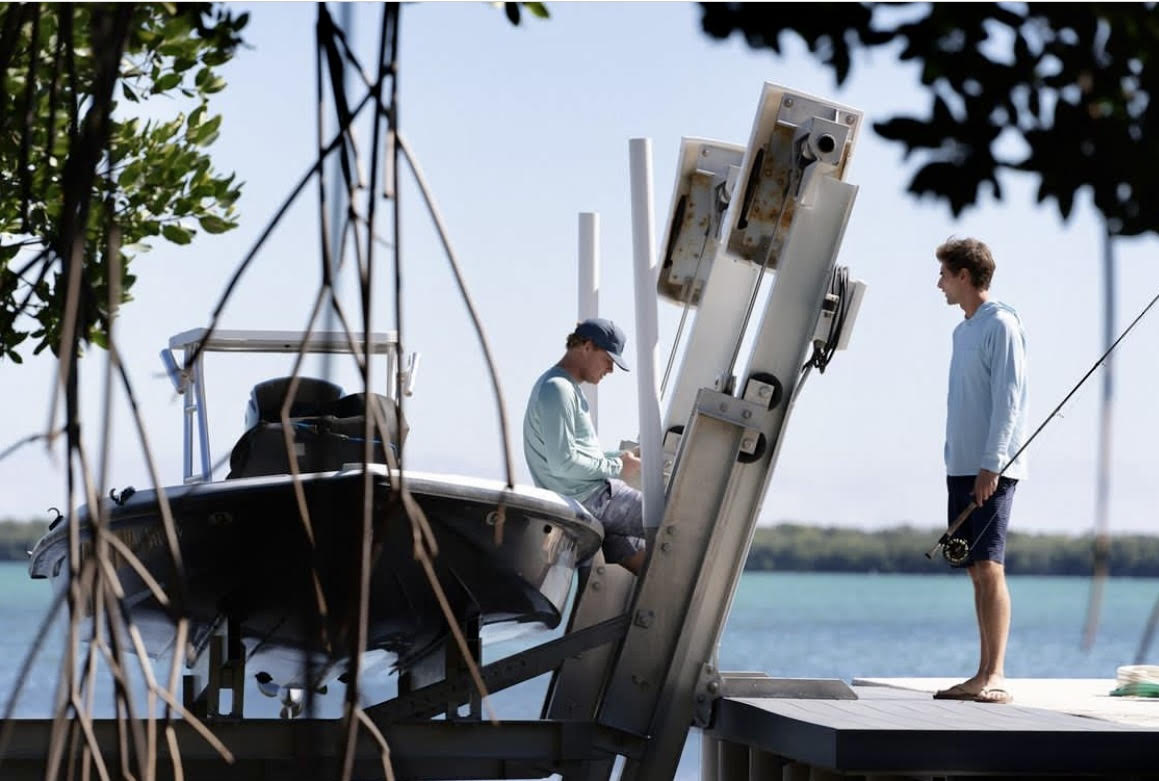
x: 620, y: 508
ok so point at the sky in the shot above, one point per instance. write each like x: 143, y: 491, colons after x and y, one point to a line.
x: 518, y: 130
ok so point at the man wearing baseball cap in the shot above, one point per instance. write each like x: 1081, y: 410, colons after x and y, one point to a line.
x: 563, y: 451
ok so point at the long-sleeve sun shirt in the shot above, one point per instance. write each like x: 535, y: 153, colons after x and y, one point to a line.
x: 988, y: 390
x: 559, y: 440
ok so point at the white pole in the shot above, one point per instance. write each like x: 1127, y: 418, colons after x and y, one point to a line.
x: 647, y: 331
x: 589, y: 289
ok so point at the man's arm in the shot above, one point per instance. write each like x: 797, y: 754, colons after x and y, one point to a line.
x: 558, y: 408
x: 1007, y: 384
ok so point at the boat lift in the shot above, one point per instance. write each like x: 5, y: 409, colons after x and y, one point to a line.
x: 638, y: 665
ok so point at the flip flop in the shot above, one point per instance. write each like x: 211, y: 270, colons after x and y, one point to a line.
x: 994, y: 696
x: 955, y: 692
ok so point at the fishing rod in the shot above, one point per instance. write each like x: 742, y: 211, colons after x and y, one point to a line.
x: 955, y: 550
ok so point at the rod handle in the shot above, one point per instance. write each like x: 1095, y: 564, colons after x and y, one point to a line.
x: 957, y: 524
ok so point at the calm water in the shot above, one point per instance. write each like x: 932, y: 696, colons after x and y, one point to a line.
x: 785, y: 624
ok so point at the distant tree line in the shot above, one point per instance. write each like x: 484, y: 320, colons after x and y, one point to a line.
x: 18, y: 537
x: 799, y: 548
x: 794, y: 547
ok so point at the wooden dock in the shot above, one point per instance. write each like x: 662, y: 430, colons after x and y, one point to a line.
x: 1054, y: 727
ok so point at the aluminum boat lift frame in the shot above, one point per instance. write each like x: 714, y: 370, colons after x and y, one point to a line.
x: 637, y: 667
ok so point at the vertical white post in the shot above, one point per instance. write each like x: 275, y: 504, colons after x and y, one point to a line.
x: 589, y: 289
x: 647, y: 331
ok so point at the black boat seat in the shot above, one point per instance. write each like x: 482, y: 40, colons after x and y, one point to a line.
x: 325, y: 435
x: 266, y: 399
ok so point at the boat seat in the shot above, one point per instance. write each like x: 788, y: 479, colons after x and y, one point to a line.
x: 266, y: 399
x: 329, y: 436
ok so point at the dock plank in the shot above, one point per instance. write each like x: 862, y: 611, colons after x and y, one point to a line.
x: 897, y: 727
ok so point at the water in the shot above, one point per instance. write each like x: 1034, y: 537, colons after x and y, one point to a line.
x: 785, y: 624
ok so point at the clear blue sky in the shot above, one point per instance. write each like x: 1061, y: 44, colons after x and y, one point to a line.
x: 520, y: 129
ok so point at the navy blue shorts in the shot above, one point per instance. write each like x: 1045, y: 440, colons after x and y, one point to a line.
x: 991, y: 545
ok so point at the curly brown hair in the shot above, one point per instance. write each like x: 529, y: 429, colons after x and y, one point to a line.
x: 969, y: 254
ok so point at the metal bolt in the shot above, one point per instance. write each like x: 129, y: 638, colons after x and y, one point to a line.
x: 764, y: 391
x: 748, y: 443
x: 644, y: 618
x: 596, y: 585
x: 849, y: 119
x: 724, y: 406
x: 748, y: 413
x: 670, y: 530
x: 600, y: 570
x: 667, y: 546
x: 788, y: 101
x: 709, y: 669
x: 713, y: 687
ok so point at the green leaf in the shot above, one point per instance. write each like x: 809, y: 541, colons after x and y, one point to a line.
x: 177, y: 234
x: 130, y: 175
x: 205, y: 133
x: 176, y: 48
x: 211, y: 223
x: 167, y: 82
x: 128, y: 93
x: 538, y: 9
x: 215, y: 57
x: 216, y: 84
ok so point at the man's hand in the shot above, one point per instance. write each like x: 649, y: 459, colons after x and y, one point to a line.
x: 631, y: 465
x: 984, y: 486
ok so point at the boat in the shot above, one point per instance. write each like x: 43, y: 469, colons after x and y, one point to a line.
x: 283, y: 582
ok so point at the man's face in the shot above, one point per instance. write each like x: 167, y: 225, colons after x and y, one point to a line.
x: 597, y: 364
x: 953, y: 285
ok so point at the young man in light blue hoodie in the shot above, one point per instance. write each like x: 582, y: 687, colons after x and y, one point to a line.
x: 563, y: 452
x: 985, y: 426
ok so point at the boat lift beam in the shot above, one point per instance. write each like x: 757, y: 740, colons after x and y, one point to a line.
x: 305, y: 748
x: 729, y: 446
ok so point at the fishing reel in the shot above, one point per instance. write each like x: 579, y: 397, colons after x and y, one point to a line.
x: 956, y: 551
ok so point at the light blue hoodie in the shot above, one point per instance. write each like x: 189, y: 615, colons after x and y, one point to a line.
x: 986, y: 405
x: 559, y: 440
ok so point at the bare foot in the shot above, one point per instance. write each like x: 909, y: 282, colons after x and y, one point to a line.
x: 956, y: 692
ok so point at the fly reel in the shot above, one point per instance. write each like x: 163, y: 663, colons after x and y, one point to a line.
x: 956, y: 551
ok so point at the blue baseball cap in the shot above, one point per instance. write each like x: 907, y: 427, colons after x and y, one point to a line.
x: 606, y: 335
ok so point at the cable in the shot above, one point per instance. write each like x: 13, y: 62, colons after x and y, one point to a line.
x: 823, y: 352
